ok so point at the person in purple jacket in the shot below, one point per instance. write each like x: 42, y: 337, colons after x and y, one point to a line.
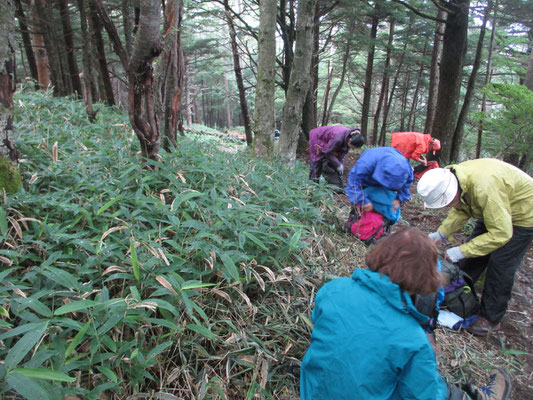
x: 328, y: 145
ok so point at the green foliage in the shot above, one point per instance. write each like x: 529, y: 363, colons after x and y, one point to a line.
x: 10, y: 179
x: 509, y: 123
x: 114, y: 275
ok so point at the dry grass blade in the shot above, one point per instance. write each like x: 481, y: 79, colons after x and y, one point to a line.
x: 166, y: 284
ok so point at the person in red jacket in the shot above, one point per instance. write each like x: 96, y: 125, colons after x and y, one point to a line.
x: 413, y: 145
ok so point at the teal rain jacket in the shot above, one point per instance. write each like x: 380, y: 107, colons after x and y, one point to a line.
x: 367, y: 343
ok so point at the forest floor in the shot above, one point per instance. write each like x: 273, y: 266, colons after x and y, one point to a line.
x: 511, y: 347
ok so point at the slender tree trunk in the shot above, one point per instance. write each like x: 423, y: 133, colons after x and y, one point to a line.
x: 345, y: 59
x: 457, y: 140
x: 238, y: 75
x: 229, y: 121
x: 7, y: 87
x: 393, y: 89
x: 26, y: 40
x: 412, y: 113
x: 286, y: 24
x: 488, y: 75
x: 365, y: 111
x: 96, y: 30
x: 454, y: 48
x: 326, y: 94
x: 41, y: 57
x: 300, y: 81
x: 434, y: 74
x: 74, y: 74
x: 86, y: 58
x: 188, y: 102
x: 128, y: 30
x: 264, y: 97
x: 384, y: 83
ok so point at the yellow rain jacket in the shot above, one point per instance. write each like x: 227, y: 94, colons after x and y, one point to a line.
x: 496, y: 192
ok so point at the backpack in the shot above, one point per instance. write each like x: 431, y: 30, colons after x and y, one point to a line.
x: 367, y: 225
x: 421, y: 169
x: 459, y: 296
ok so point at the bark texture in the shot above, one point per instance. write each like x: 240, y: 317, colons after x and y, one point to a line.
x: 264, y: 96
x: 7, y: 57
x: 300, y: 81
x: 453, y: 53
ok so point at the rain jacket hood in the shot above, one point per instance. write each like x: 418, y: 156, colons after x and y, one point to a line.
x: 367, y: 343
x: 493, y: 191
x: 383, y: 167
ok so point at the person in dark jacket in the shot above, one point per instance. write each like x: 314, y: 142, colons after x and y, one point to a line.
x: 367, y: 340
x: 328, y: 145
x: 384, y: 168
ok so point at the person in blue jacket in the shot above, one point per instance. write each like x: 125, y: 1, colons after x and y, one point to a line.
x: 386, y: 169
x: 367, y: 340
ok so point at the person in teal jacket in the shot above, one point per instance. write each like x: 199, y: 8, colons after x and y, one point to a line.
x: 367, y: 340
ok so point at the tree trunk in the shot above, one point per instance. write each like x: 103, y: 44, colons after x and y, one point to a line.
x: 457, y: 140
x: 26, y: 40
x: 96, y: 30
x: 52, y: 45
x: 41, y: 57
x: 238, y: 75
x: 434, y: 74
x: 345, y: 59
x: 286, y: 25
x: 453, y: 53
x: 266, y: 68
x: 147, y: 46
x: 488, y: 75
x: 365, y: 110
x: 384, y: 84
x: 325, y: 116
x: 299, y: 83
x: 172, y: 73
x: 74, y: 74
x: 86, y: 61
x: 412, y: 113
x: 7, y: 87
x: 128, y: 26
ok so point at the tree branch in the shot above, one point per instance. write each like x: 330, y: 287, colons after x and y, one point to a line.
x: 419, y: 13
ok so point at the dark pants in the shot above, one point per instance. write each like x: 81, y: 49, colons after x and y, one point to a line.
x: 501, y: 266
x: 323, y: 167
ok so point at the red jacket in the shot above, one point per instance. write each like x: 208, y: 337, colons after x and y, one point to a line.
x: 411, y: 144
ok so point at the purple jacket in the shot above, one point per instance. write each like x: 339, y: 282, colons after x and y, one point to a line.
x: 330, y: 142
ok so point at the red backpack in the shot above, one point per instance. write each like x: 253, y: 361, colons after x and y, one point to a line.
x: 368, y: 227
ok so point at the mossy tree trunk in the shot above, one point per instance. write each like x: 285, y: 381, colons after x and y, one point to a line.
x: 9, y: 176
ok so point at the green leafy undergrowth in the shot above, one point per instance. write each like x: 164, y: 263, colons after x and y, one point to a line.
x: 185, y: 278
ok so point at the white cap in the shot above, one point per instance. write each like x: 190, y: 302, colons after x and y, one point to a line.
x: 437, y: 187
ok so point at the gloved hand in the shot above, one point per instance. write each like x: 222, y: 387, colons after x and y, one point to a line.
x: 340, y: 169
x: 436, y: 236
x: 454, y: 254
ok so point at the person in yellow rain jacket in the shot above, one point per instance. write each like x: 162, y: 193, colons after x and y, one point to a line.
x: 500, y: 197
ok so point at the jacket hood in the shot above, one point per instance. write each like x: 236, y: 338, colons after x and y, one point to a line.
x: 392, y: 171
x: 390, y: 291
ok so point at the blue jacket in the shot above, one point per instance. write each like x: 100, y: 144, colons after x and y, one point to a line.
x: 367, y: 343
x: 381, y: 166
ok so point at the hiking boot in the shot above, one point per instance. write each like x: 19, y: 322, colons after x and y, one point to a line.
x: 498, y: 388
x: 482, y: 327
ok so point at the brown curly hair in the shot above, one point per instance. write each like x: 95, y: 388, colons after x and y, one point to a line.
x: 409, y: 258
